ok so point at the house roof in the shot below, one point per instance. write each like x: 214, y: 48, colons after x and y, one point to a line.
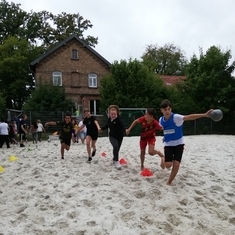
x: 170, y: 80
x: 73, y: 36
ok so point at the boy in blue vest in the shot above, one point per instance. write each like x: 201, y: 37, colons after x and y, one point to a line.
x: 173, y: 136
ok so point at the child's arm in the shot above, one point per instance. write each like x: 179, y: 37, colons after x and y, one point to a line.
x: 97, y: 124
x: 50, y: 124
x: 80, y: 128
x: 197, y: 115
x: 131, y: 126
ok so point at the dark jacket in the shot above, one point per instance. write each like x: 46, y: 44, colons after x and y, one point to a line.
x: 117, y: 127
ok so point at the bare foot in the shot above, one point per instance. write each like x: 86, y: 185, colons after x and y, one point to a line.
x: 142, y: 167
x: 162, y: 164
x: 169, y: 184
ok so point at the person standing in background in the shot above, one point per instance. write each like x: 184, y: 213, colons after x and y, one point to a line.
x: 4, y: 133
x: 34, y: 131
x: 23, y: 130
x: 40, y: 130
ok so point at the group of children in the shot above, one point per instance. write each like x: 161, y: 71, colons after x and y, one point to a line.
x: 170, y: 124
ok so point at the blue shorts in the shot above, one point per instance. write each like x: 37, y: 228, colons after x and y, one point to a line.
x: 82, y: 135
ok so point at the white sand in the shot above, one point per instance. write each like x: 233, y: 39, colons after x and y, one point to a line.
x: 41, y: 194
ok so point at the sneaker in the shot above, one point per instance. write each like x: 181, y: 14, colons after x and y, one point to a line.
x: 118, y: 165
x: 22, y: 145
x: 93, y: 153
x: 89, y: 160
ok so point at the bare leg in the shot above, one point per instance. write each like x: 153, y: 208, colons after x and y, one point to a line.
x: 153, y: 151
x: 142, y: 158
x: 62, y: 150
x: 88, y: 145
x: 93, y: 142
x: 174, y: 171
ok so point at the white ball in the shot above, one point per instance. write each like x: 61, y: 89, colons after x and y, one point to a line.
x: 49, y: 140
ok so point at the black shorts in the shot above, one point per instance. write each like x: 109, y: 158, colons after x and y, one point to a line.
x: 22, y: 136
x: 65, y: 141
x: 173, y: 153
x: 94, y: 136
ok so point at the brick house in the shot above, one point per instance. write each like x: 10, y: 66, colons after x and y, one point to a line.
x: 76, y: 66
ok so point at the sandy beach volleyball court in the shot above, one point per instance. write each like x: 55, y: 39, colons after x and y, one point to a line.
x: 44, y: 195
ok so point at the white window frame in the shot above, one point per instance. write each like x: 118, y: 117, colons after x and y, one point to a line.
x: 92, y: 80
x: 95, y: 111
x: 74, y: 54
x: 57, y: 78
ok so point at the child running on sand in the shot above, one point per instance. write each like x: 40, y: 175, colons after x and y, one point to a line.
x: 173, y: 136
x: 149, y: 126
x: 92, y: 126
x: 117, y: 129
x: 66, y: 133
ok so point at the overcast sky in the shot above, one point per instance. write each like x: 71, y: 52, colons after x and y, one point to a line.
x: 125, y: 27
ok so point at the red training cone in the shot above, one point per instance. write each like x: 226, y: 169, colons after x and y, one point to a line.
x: 146, y: 172
x: 103, y: 154
x: 122, y: 161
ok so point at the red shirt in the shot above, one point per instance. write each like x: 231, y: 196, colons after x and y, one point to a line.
x: 148, y: 129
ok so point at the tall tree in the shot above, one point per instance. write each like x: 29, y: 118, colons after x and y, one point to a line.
x: 131, y: 85
x: 43, y: 26
x: 209, y: 79
x: 2, y: 103
x: 166, y: 60
x: 15, y: 76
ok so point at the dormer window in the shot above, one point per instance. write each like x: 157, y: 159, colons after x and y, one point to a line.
x: 74, y: 55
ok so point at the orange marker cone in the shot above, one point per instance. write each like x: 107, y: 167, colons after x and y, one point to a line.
x: 122, y: 161
x: 146, y: 172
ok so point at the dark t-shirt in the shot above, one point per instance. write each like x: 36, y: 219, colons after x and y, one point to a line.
x: 22, y: 123
x: 66, y: 130
x: 90, y: 125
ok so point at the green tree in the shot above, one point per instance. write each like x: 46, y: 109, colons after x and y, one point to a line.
x: 47, y: 97
x: 209, y: 80
x: 2, y: 103
x: 15, y: 75
x: 166, y: 60
x: 131, y: 85
x: 43, y: 26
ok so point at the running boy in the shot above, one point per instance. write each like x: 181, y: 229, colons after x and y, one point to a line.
x: 92, y: 126
x: 148, y: 135
x: 173, y: 136
x: 66, y: 133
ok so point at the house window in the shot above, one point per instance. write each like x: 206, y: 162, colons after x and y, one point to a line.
x: 95, y: 107
x: 57, y: 78
x: 74, y: 55
x: 92, y: 80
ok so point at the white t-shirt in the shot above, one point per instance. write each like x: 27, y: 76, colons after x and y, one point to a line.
x: 4, y: 128
x: 84, y: 128
x: 40, y: 127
